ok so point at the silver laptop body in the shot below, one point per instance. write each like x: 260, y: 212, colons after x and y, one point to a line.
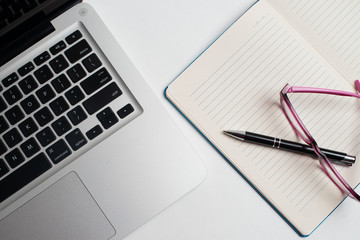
x: 122, y: 159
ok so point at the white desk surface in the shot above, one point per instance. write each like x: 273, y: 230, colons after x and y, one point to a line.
x: 162, y: 37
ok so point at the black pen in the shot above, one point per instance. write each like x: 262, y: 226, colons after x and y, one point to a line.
x: 333, y: 156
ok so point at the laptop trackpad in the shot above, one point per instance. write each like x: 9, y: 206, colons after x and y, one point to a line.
x: 65, y: 210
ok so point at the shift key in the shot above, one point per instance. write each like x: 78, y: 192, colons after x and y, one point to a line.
x: 102, y: 98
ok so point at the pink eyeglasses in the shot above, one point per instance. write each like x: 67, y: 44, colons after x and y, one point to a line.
x: 300, y: 129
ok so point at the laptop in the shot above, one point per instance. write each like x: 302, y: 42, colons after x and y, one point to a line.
x: 87, y: 151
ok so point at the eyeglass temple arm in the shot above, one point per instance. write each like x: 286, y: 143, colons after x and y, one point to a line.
x: 298, y: 89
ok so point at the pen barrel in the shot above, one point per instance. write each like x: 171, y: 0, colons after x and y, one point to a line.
x: 306, y: 149
x: 334, y: 156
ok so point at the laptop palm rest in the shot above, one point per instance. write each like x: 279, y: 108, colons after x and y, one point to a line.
x: 65, y: 210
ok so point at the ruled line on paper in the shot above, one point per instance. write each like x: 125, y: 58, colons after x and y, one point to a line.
x: 301, y: 8
x: 234, y: 105
x: 242, y: 47
x: 274, y: 86
x: 254, y: 87
x: 307, y: 12
x: 328, y: 16
x: 271, y: 97
x: 276, y: 127
x: 221, y: 92
x: 212, y: 83
x: 334, y: 38
x: 287, y: 180
x: 311, y: 179
x: 259, y: 84
x: 296, y: 4
x: 312, y: 12
x: 330, y: 29
x: 337, y: 23
x: 313, y: 196
x: 256, y: 128
x: 324, y: 8
x: 334, y: 18
x: 241, y: 65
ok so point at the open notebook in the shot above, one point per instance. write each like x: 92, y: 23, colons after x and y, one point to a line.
x: 235, y: 84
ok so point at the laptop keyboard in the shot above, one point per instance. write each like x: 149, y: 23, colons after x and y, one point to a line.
x: 44, y: 102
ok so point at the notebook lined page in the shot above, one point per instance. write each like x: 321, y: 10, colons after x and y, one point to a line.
x: 333, y: 26
x: 235, y: 84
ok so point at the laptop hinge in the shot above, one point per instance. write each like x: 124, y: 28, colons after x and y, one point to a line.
x: 18, y: 44
x: 31, y: 31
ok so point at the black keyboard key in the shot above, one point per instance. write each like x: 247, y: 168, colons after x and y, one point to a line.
x: 30, y: 104
x: 43, y: 74
x: 28, y: 6
x: 125, y: 111
x: 94, y: 132
x: 96, y: 81
x: 76, y: 73
x: 42, y: 58
x: 30, y: 147
x: 14, y: 158
x: 61, y: 83
x: 58, y: 151
x: 58, y: 64
x: 74, y: 95
x: 77, y: 115
x: 107, y: 118
x: 3, y: 168
x: 14, y: 115
x: 76, y: 139
x: 3, y: 105
x: 61, y: 126
x: 45, y: 136
x: 26, y: 69
x: 73, y: 37
x: 57, y: 48
x: 14, y: 17
x: 78, y: 51
x: 28, y: 84
x: 12, y: 137
x: 59, y: 105
x: 16, y: 6
x: 91, y: 62
x: 43, y: 116
x: 28, y: 127
x: 45, y: 94
x: 3, y: 125
x: 12, y: 95
x: 23, y: 176
x: 10, y: 79
x: 6, y: 13
x: 3, y: 148
x: 102, y: 98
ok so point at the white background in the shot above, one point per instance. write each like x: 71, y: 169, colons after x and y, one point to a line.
x: 162, y: 37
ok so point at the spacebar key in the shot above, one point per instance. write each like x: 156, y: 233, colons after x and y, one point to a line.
x: 23, y: 176
x: 102, y: 98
